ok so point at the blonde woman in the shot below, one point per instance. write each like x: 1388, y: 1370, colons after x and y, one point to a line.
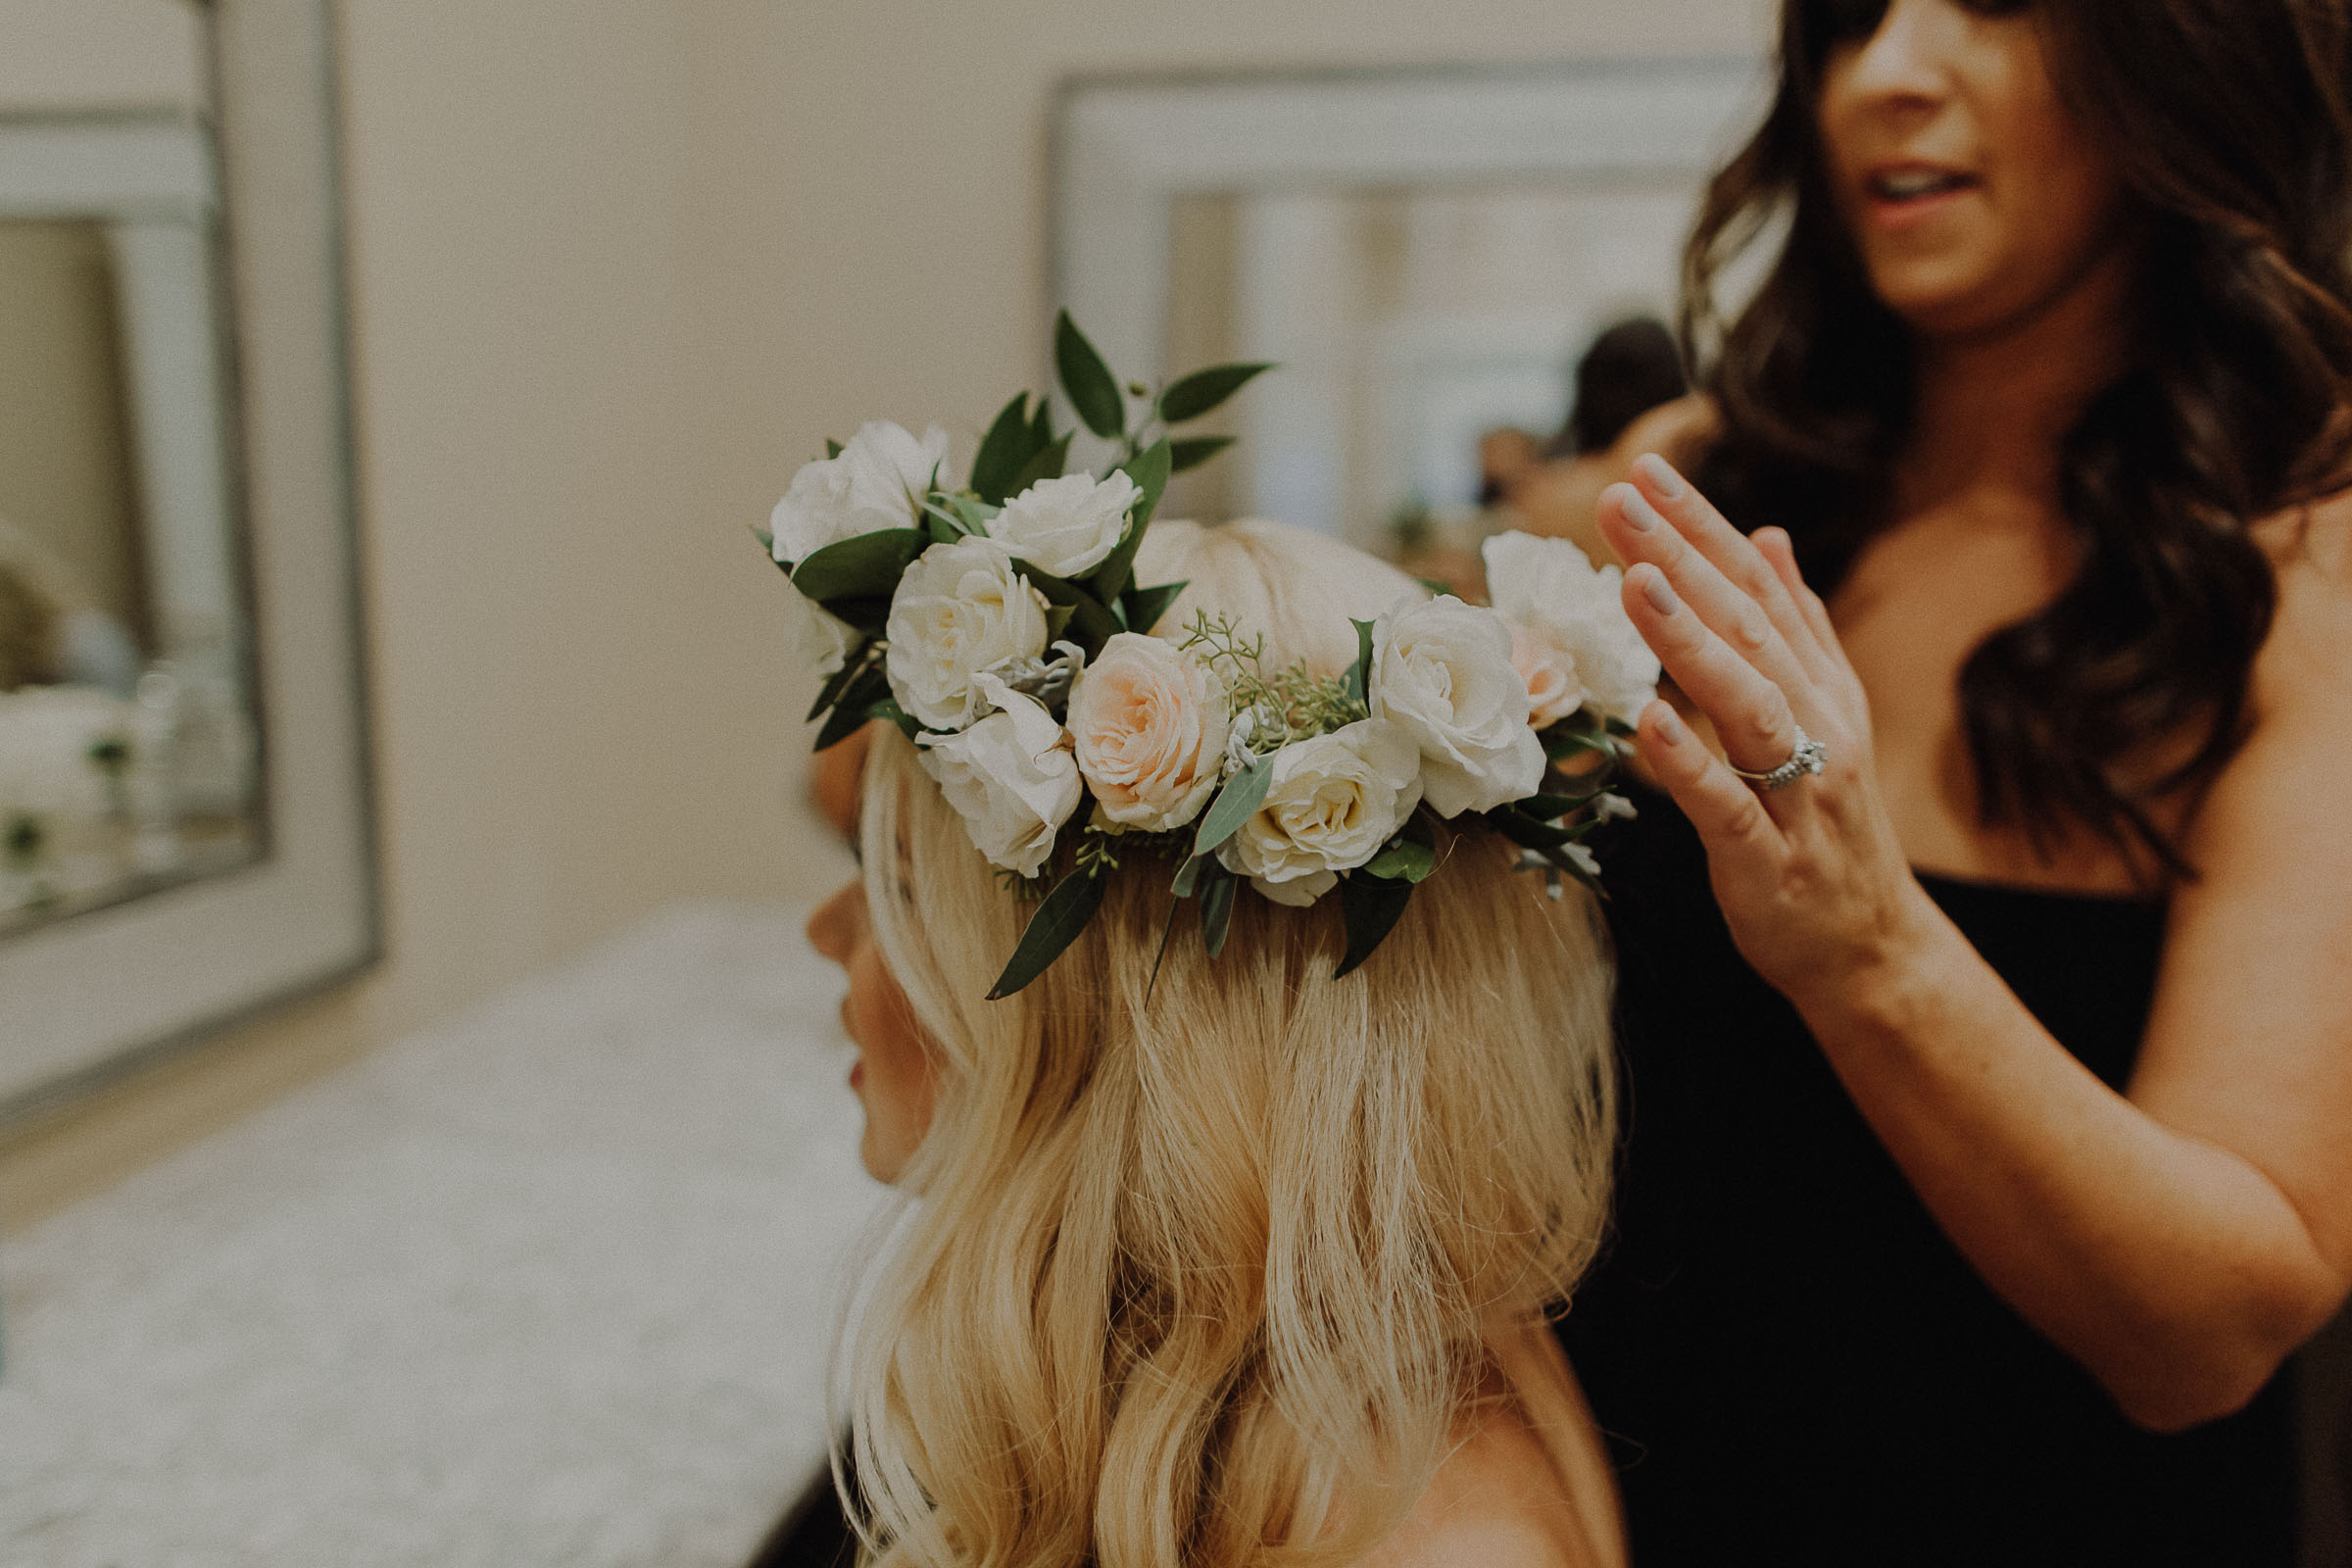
x: 1214, y: 1262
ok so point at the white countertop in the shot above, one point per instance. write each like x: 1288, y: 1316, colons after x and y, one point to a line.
x: 553, y: 1284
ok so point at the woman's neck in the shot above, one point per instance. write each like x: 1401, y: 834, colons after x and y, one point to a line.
x: 1994, y: 406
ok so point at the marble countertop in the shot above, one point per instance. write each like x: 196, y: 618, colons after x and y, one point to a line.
x: 551, y: 1283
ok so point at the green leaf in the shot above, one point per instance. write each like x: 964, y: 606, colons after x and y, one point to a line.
x: 1057, y: 622
x: 1187, y: 876
x: 1530, y: 834
x: 1194, y: 395
x: 832, y: 450
x: 1004, y: 452
x: 1093, y: 391
x: 1089, y: 617
x: 867, y: 567
x: 1403, y: 860
x: 1217, y: 906
x: 1369, y: 908
x: 1193, y: 451
x: 867, y: 613
x: 1548, y: 807
x: 1056, y: 925
x: 768, y: 541
x: 1359, y: 673
x: 1146, y: 606
x: 889, y: 710
x: 838, y: 683
x: 1150, y: 472
x: 851, y: 710
x: 1041, y: 426
x: 1048, y: 463
x: 1241, y: 796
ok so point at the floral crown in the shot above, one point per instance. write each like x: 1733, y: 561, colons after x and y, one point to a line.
x: 997, y: 620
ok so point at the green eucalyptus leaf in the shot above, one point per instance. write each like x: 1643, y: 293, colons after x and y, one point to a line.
x: 1403, y: 860
x: 1056, y: 925
x: 1191, y: 395
x: 1241, y: 796
x: 1146, y: 606
x: 1369, y: 910
x: 832, y: 450
x: 1359, y: 673
x: 867, y: 567
x: 1217, y: 906
x: 1193, y: 451
x: 1187, y: 876
x: 1150, y: 472
x: 1005, y: 451
x: 1093, y: 391
x: 1090, y: 619
x: 1048, y: 463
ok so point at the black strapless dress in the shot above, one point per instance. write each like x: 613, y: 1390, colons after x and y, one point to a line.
x: 1790, y: 1361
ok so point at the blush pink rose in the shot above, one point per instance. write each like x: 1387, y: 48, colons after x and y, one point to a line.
x: 1150, y: 724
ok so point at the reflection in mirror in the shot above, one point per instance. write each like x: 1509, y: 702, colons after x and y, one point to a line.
x: 1428, y: 336
x: 128, y: 746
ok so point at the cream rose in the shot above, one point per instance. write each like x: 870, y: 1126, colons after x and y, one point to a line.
x: 1010, y: 777
x: 1068, y: 526
x: 960, y: 610
x: 877, y: 482
x: 1550, y: 671
x: 819, y: 637
x: 1149, y: 725
x: 1572, y: 611
x: 1442, y: 669
x: 1333, y: 801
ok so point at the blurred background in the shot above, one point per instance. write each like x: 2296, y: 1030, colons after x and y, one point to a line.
x: 402, y: 775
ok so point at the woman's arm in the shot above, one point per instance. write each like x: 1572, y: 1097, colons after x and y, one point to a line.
x: 2180, y: 1241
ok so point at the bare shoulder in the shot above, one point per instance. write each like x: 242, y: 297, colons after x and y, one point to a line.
x: 1496, y: 1501
x: 2305, y: 668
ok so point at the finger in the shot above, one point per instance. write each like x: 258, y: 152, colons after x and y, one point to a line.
x: 1730, y: 817
x: 1642, y: 533
x: 1750, y: 713
x: 1725, y: 547
x: 1777, y: 548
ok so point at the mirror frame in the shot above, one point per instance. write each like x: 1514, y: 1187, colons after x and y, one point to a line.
x: 97, y: 995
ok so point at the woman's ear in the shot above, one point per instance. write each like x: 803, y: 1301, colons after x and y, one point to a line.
x: 833, y: 783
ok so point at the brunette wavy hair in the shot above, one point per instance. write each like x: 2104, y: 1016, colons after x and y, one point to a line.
x: 2228, y: 121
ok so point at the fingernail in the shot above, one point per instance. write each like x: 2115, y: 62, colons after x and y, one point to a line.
x: 1639, y: 513
x: 1670, y: 726
x: 1659, y: 593
x: 1661, y: 474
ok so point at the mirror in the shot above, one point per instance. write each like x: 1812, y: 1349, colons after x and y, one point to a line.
x: 127, y: 735
x: 183, y: 830
x: 1428, y: 255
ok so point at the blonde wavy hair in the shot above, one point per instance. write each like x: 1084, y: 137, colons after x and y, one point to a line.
x: 1194, y: 1271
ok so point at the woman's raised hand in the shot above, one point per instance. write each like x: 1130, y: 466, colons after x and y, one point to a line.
x: 1810, y: 876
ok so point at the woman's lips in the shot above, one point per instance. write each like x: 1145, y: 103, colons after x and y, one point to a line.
x: 1897, y: 195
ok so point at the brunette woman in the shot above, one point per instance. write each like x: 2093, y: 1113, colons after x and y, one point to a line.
x: 1988, y: 960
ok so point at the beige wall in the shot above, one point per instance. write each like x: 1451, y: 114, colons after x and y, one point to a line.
x: 617, y: 268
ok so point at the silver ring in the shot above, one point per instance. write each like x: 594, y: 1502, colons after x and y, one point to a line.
x: 1810, y: 757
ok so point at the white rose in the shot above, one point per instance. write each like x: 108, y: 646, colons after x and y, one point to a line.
x: 1010, y: 777
x: 1149, y: 725
x: 877, y: 482
x: 1333, y: 801
x: 818, y: 636
x: 1572, y: 611
x: 1066, y: 526
x: 1442, y: 670
x: 960, y: 610
x: 1553, y: 691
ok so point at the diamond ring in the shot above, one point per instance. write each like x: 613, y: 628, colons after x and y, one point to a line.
x: 1809, y: 757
